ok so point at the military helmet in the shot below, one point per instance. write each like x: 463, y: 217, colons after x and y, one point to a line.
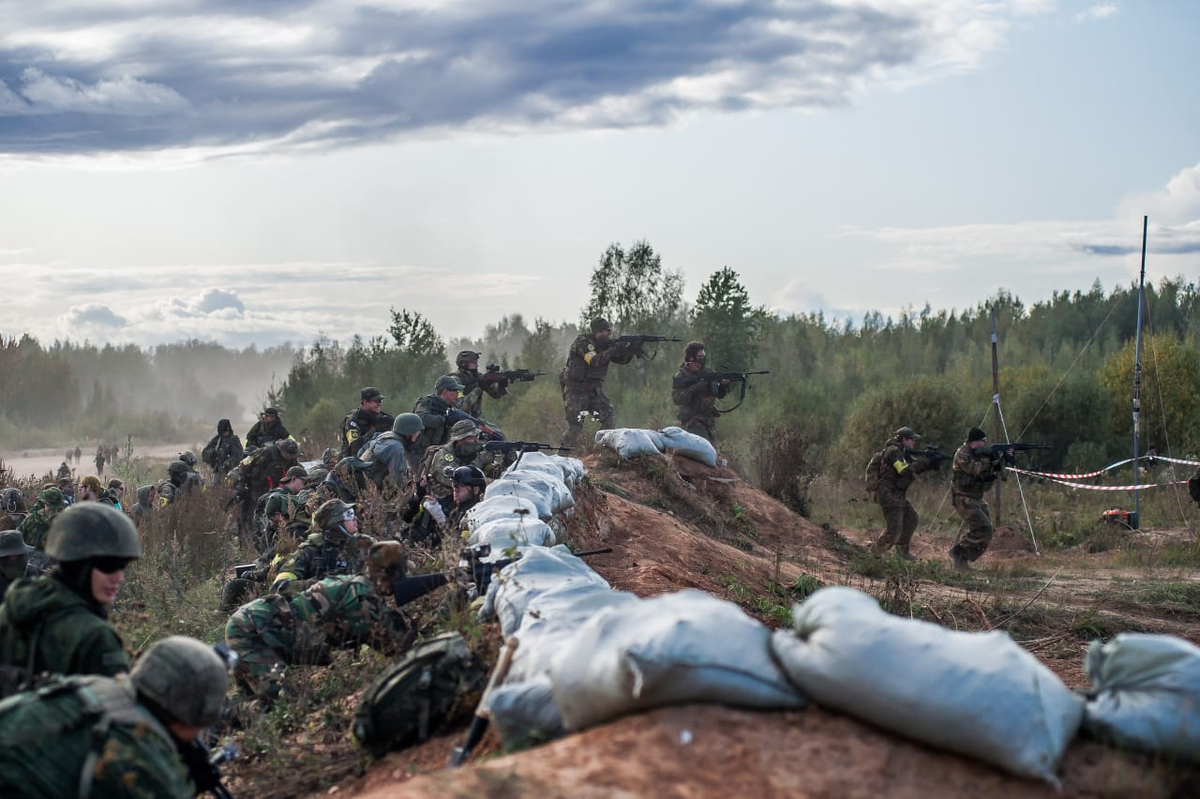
x: 387, y: 559
x: 331, y: 513
x: 188, y: 457
x: 12, y: 500
x: 468, y: 476
x: 905, y: 432
x: 177, y: 469
x: 330, y: 454
x: 600, y: 323
x: 12, y: 543
x: 406, y: 424
x: 463, y: 428
x: 92, y: 530
x: 289, y: 447
x: 51, y: 497
x: 447, y: 382
x: 184, y: 678
x: 465, y: 357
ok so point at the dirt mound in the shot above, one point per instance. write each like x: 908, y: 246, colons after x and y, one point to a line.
x: 674, y: 524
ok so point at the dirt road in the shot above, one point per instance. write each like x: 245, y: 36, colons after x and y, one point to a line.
x: 37, y: 462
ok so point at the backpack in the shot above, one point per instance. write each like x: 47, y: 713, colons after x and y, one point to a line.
x: 871, y: 479
x: 436, y: 682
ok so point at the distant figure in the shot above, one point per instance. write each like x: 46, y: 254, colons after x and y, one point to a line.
x: 269, y: 428
x: 69, y: 455
x: 224, y: 450
x: 64, y: 470
x: 78, y: 455
x: 100, y: 459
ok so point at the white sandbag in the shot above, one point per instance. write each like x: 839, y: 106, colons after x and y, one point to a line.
x: 677, y: 441
x: 551, y: 485
x: 630, y: 442
x: 535, y: 494
x: 500, y: 507
x: 672, y: 649
x: 524, y: 712
x: 562, y: 468
x: 1146, y: 694
x: 538, y: 571
x: 503, y: 534
x: 975, y: 693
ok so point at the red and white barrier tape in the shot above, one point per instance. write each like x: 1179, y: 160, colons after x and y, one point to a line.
x: 1091, y: 487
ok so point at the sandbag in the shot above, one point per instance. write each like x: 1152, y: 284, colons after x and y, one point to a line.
x: 524, y: 712
x: 1146, y: 694
x: 562, y: 468
x: 629, y: 442
x: 505, y: 533
x: 500, y: 507
x: 673, y: 649
x: 979, y: 694
x: 677, y: 441
x: 536, y: 495
x: 538, y: 571
x: 551, y: 488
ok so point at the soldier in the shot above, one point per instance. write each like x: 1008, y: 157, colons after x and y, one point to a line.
x: 897, y: 470
x: 78, y: 455
x: 36, y: 524
x: 971, y: 475
x: 474, y: 386
x: 329, y: 458
x: 99, y: 460
x: 59, y: 622
x: 392, y: 453
x: 364, y: 422
x: 283, y: 502
x: 113, y: 494
x: 147, y: 501
x: 12, y: 508
x: 67, y: 486
x: 181, y: 482
x: 261, y: 471
x: 582, y: 380
x: 332, y: 549
x: 63, y: 470
x: 132, y: 736
x: 433, y: 409
x: 267, y: 429
x: 224, y: 450
x: 427, y: 508
x: 696, y: 393
x: 469, y: 484
x: 274, y: 631
x: 14, y: 560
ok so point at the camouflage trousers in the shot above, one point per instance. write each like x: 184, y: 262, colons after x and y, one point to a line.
x: 703, y: 426
x: 900, y: 523
x: 263, y: 633
x: 580, y: 399
x: 972, y: 543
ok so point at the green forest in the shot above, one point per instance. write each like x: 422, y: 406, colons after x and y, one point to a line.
x: 835, y: 391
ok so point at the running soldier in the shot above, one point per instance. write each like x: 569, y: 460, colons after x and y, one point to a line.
x: 972, y: 474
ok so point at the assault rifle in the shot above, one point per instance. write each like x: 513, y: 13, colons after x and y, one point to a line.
x: 929, y: 453
x: 716, y: 378
x: 472, y: 564
x: 456, y: 414
x: 494, y: 375
x: 995, y: 450
x: 637, y: 342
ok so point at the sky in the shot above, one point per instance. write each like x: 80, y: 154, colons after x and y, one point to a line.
x: 260, y: 173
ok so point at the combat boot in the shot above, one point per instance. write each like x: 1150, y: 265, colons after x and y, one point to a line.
x: 961, y: 564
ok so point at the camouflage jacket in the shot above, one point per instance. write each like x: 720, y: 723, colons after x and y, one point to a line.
x: 222, y: 453
x: 973, y: 475
x: 433, y: 468
x: 261, y: 433
x: 587, y: 360
x: 36, y: 524
x: 432, y: 410
x: 696, y: 393
x: 74, y: 638
x: 319, y: 557
x: 48, y: 737
x: 474, y: 388
x: 262, y: 470
x: 897, y: 470
x: 345, y: 611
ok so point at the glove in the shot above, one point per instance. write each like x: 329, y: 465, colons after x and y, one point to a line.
x: 434, y: 509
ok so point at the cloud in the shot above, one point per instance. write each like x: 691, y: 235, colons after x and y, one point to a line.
x: 219, y: 77
x: 1098, y: 11
x: 94, y: 315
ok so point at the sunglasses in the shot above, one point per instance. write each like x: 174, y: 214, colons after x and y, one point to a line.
x: 108, y: 565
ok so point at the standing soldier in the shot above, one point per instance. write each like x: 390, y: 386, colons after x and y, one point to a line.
x: 364, y: 422
x: 59, y: 622
x: 972, y: 474
x: 582, y: 379
x: 78, y: 455
x: 897, y: 470
x: 474, y: 385
x: 274, y: 631
x: 224, y: 450
x: 433, y: 409
x: 696, y: 392
x: 63, y: 470
x: 100, y: 460
x: 36, y: 524
x: 267, y: 429
x: 260, y: 472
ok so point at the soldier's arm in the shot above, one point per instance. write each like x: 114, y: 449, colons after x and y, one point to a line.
x: 98, y: 652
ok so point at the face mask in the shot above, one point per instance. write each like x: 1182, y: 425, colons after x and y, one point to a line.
x: 13, y: 567
x: 470, y: 449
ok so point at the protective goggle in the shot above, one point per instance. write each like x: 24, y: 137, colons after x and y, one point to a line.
x: 108, y: 564
x: 348, y: 515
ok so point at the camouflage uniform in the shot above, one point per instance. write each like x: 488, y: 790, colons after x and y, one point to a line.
x: 971, y: 476
x: 263, y: 432
x: 582, y: 383
x: 359, y: 426
x: 474, y: 388
x: 223, y: 452
x: 696, y: 394
x: 320, y: 555
x: 897, y: 470
x: 48, y: 737
x: 74, y: 636
x: 274, y: 631
x: 432, y: 410
x: 433, y: 468
x: 37, y: 523
x: 260, y: 472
